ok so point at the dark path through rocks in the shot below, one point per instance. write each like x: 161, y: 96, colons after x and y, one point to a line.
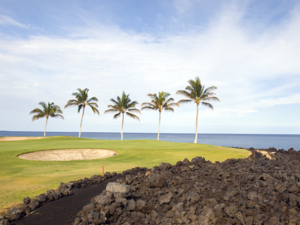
x: 64, y: 210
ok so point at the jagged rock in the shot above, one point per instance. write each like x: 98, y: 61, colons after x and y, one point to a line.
x: 129, y: 178
x: 89, y: 207
x: 92, y: 215
x: 231, y: 210
x: 25, y: 209
x: 118, y: 188
x: 140, y: 205
x: 240, y: 217
x: 41, y: 198
x: 165, y: 198
x: 252, y: 195
x: 131, y: 205
x: 157, y: 181
x: 14, y: 214
x: 102, y: 199
x: 26, y: 200
x: 4, y: 222
x: 165, y: 166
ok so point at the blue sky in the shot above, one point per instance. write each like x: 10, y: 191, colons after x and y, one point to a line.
x: 250, y: 50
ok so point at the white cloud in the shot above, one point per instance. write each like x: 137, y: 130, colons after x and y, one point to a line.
x: 6, y: 20
x: 110, y: 60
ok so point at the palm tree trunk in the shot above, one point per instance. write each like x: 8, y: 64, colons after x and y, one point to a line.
x: 122, y: 126
x: 196, y: 137
x: 81, y: 122
x: 158, y: 126
x: 45, y: 127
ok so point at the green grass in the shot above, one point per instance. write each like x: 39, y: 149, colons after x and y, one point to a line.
x: 21, y: 178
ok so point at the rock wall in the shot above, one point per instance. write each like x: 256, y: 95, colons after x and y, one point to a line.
x: 65, y: 189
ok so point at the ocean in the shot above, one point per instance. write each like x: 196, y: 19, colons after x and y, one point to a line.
x: 279, y: 141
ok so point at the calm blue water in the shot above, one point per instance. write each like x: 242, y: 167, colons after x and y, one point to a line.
x: 278, y: 141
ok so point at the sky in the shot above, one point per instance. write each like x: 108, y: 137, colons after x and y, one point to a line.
x: 249, y: 50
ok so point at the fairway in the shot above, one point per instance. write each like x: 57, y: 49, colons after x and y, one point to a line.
x: 21, y: 178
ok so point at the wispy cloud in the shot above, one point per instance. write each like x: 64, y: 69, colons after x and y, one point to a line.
x: 6, y: 20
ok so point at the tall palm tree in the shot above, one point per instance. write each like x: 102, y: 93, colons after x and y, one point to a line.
x: 81, y: 100
x: 159, y: 102
x: 197, y: 93
x: 123, y: 105
x: 46, y: 111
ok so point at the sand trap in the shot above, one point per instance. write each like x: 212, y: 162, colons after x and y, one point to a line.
x: 18, y: 138
x: 68, y: 154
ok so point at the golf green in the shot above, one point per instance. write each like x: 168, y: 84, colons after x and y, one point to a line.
x: 20, y: 178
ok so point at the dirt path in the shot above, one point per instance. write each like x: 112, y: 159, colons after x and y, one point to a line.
x: 64, y: 210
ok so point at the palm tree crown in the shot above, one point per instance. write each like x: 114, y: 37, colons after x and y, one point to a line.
x: 81, y: 100
x: 123, y: 105
x: 159, y: 102
x: 197, y: 93
x: 47, y: 110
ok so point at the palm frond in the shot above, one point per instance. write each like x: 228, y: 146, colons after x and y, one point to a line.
x: 94, y: 109
x: 170, y: 105
x: 133, y: 116
x: 111, y: 111
x: 149, y: 108
x: 212, y: 98
x: 43, y: 104
x: 117, y: 115
x: 57, y: 116
x: 169, y: 100
x: 169, y: 109
x: 209, y: 89
x: 79, y: 107
x: 208, y: 105
x: 147, y: 104
x: 36, y: 117
x: 184, y: 93
x: 72, y: 102
x: 134, y: 110
x: 131, y: 104
x: 92, y: 99
x: 184, y: 101
x: 114, y: 101
x: 164, y: 95
x: 36, y: 110
x: 93, y: 104
x: 56, y: 108
x: 153, y: 96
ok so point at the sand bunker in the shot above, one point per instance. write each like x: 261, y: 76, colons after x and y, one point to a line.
x: 18, y: 138
x: 68, y: 154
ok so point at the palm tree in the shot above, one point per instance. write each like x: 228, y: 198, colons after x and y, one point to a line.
x: 46, y: 111
x: 81, y: 100
x: 123, y: 105
x: 159, y: 102
x: 197, y: 93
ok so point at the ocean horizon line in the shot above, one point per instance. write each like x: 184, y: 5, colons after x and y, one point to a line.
x: 260, y: 141
x: 144, y: 132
